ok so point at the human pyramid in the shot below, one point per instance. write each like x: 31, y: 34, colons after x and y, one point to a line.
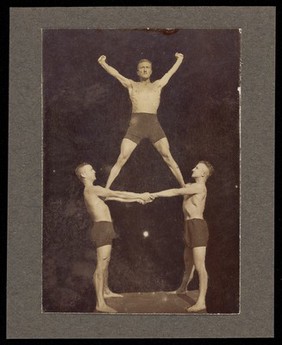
x: 145, y: 98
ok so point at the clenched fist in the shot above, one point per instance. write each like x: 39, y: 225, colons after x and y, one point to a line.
x: 179, y: 56
x: 102, y: 59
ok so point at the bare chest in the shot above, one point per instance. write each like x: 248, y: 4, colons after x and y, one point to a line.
x: 95, y: 204
x: 196, y: 200
x: 146, y: 90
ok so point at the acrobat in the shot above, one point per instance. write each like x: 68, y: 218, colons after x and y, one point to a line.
x: 145, y: 97
x: 196, y: 231
x: 102, y: 232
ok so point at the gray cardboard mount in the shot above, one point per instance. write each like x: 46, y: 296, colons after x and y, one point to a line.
x: 24, y: 316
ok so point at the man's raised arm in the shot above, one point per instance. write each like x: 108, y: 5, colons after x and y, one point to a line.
x: 164, y: 80
x: 113, y: 72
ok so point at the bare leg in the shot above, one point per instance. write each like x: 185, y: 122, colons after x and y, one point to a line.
x: 162, y: 147
x: 189, y: 270
x: 188, y: 273
x: 199, y: 254
x: 103, y: 258
x: 107, y: 292
x: 126, y: 149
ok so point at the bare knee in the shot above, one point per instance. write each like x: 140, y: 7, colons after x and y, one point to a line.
x: 102, y: 266
x: 105, y: 261
x: 122, y: 159
x: 201, y: 268
x: 166, y: 155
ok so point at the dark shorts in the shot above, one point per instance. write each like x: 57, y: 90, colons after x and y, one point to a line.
x: 196, y: 233
x: 144, y: 125
x: 102, y: 233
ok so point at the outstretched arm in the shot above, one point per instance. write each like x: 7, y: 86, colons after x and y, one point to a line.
x: 164, y: 80
x: 190, y: 189
x: 139, y: 200
x: 113, y: 72
x: 126, y: 196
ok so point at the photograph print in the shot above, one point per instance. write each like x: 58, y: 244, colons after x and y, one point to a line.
x: 141, y: 171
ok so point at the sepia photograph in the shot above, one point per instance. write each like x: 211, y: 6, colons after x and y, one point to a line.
x: 141, y: 171
x: 140, y: 178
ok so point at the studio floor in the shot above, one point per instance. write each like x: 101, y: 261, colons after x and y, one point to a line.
x: 154, y: 302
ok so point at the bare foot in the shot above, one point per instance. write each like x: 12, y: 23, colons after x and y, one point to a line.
x: 105, y: 309
x: 196, y: 308
x: 110, y: 294
x: 178, y: 291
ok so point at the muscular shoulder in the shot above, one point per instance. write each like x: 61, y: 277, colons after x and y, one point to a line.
x: 89, y: 191
x: 98, y: 190
x: 158, y: 83
x: 134, y: 84
x: 130, y: 83
x: 195, y: 188
x: 124, y: 81
x: 202, y: 188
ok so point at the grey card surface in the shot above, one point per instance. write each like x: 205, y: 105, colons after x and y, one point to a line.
x: 65, y: 109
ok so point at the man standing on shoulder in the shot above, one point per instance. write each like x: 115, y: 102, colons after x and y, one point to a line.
x: 196, y: 232
x: 102, y: 232
x: 145, y: 98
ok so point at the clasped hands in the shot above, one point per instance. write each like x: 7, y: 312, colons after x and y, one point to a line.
x: 145, y: 198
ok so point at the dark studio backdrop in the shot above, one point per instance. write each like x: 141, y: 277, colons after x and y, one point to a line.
x: 86, y: 114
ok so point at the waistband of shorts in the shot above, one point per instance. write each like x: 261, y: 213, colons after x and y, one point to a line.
x: 143, y: 114
x: 195, y: 219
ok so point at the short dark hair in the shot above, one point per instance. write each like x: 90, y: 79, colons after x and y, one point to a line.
x: 81, y: 165
x: 209, y: 166
x: 144, y: 60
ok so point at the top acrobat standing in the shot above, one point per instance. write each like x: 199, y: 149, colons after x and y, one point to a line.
x: 145, y: 97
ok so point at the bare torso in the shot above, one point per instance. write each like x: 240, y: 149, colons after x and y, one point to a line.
x: 145, y: 97
x: 194, y: 205
x: 96, y: 207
